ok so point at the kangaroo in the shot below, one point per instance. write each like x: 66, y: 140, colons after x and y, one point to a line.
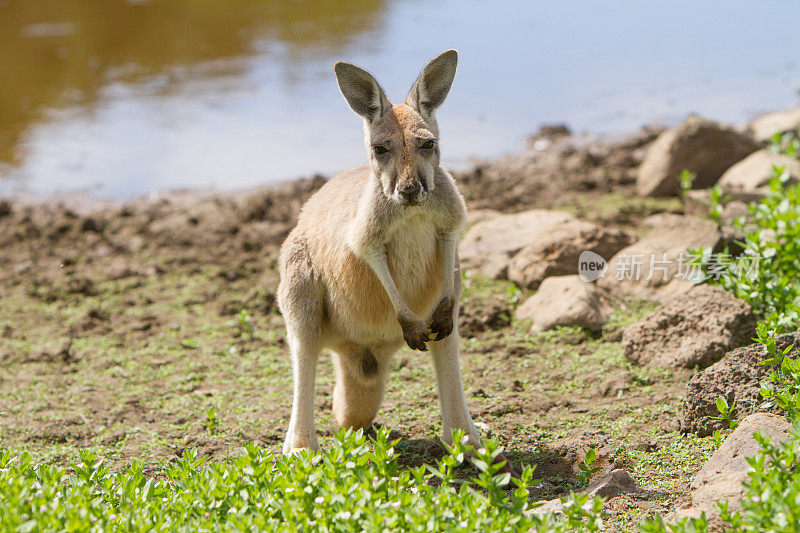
x: 372, y: 262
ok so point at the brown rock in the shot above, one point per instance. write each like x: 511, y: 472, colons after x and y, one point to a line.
x: 692, y: 330
x: 695, y: 203
x: 722, y: 476
x: 737, y: 378
x: 547, y: 506
x: 763, y: 128
x: 557, y: 253
x: 655, y: 267
x: 489, y: 245
x: 479, y: 215
x: 703, y: 147
x: 566, y: 301
x: 752, y: 174
x: 613, y: 484
x: 529, y: 246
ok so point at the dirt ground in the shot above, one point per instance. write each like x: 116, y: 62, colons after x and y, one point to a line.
x: 123, y: 325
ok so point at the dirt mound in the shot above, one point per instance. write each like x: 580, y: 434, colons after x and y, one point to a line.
x: 485, y: 314
x: 554, y: 170
x: 57, y: 248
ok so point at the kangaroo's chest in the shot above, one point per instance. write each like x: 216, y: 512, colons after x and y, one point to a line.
x: 415, y: 262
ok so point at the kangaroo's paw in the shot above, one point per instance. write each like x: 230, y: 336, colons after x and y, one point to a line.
x: 441, y: 324
x: 415, y: 332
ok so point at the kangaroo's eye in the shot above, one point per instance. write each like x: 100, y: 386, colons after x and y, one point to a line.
x: 427, y: 145
x: 380, y: 150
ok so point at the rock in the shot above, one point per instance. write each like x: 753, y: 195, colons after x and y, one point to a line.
x: 557, y: 253
x: 566, y: 301
x: 548, y: 243
x: 763, y: 128
x: 737, y: 378
x: 614, y: 385
x: 613, y: 484
x: 489, y: 245
x: 752, y: 174
x: 695, y: 203
x: 705, y: 148
x: 696, y: 329
x: 479, y: 215
x: 722, y: 476
x: 547, y: 506
x: 656, y: 267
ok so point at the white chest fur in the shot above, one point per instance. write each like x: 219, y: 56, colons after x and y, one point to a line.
x: 411, y: 252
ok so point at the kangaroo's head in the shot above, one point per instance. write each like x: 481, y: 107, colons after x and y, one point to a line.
x: 402, y: 139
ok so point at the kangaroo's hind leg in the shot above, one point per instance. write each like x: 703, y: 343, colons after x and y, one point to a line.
x: 360, y: 380
x: 300, y: 297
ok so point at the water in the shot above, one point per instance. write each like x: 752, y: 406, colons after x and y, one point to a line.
x: 118, y: 98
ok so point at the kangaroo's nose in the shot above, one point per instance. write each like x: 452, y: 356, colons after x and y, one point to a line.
x: 409, y: 191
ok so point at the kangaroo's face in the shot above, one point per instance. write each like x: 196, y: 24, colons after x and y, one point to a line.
x: 404, y: 154
x: 402, y: 140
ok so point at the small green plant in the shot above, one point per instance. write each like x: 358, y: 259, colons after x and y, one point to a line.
x: 211, y: 422
x: 190, y: 344
x: 717, y: 436
x: 587, y: 467
x: 765, y: 274
x: 514, y: 295
x: 782, y: 386
x: 245, y: 323
x: 716, y: 202
x: 786, y: 144
x: 687, y: 178
x: 726, y: 413
x: 772, y: 500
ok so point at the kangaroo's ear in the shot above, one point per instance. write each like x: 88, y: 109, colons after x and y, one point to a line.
x: 433, y: 84
x: 361, y: 91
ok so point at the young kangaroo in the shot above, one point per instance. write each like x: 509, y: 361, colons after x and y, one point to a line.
x: 372, y: 261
